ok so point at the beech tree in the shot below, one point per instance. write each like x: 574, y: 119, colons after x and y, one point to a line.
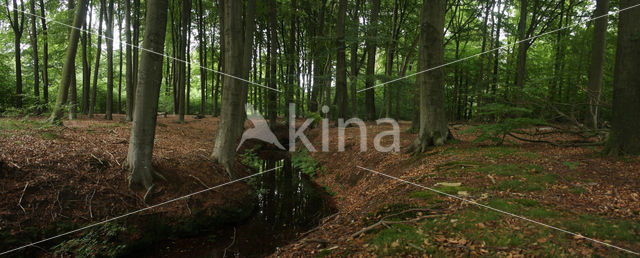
x: 34, y: 47
x: 68, y: 69
x: 625, y: 133
x: 433, y: 120
x: 231, y: 117
x: 596, y: 71
x: 17, y: 24
x: 139, y: 157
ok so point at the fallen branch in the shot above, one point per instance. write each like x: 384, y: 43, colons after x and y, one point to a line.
x: 391, y: 222
x: 584, y: 144
x: 200, y: 181
x: 230, y: 245
x: 22, y: 195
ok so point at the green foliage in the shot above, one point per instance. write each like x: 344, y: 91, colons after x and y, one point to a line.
x: 507, y: 120
x: 250, y: 158
x: 303, y: 161
x: 571, y: 165
x: 102, y: 241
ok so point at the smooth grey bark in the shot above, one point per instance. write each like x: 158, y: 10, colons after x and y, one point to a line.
x: 353, y: 62
x: 231, y: 119
x: 523, y: 46
x: 94, y: 88
x: 185, y: 22
x: 86, y: 72
x: 341, y: 61
x: 625, y: 133
x: 45, y: 55
x: 596, y: 70
x: 109, y: 39
x: 372, y: 33
x: 36, y: 61
x: 128, y: 66
x: 139, y: 157
x: 68, y: 69
x: 18, y: 28
x: 433, y: 121
x: 73, y: 87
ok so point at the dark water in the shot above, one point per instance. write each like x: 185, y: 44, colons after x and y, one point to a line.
x: 288, y: 204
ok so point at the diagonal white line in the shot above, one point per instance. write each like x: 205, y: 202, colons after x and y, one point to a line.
x: 497, y: 49
x: 143, y: 49
x: 138, y: 211
x: 498, y: 210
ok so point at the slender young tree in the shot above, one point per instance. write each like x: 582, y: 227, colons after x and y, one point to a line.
x: 45, y: 55
x: 109, y: 39
x: 625, y: 133
x: 128, y: 66
x: 596, y: 71
x: 17, y: 24
x: 341, y: 64
x: 68, y: 69
x: 372, y: 33
x: 94, y: 88
x: 185, y: 21
x: 433, y: 121
x: 227, y: 135
x: 34, y: 47
x: 139, y: 157
x: 73, y: 87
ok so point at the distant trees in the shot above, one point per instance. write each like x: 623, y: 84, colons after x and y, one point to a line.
x: 34, y: 47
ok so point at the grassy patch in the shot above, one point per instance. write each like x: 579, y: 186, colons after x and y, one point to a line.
x: 48, y: 136
x: 571, y: 165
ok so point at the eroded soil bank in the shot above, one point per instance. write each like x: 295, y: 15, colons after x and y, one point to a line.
x: 56, y: 179
x: 574, y: 188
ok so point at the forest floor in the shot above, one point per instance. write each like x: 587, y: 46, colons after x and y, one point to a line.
x: 74, y: 174
x: 573, y: 188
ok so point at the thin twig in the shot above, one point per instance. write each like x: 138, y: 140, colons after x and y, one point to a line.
x: 389, y: 222
x: 233, y: 241
x: 200, y: 181
x: 22, y: 195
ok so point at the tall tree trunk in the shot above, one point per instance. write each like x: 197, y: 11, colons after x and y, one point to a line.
x: 17, y: 24
x: 45, y: 55
x: 136, y: 42
x: 109, y: 39
x: 390, y: 55
x: 94, y: 89
x: 185, y: 23
x: 355, y: 69
x: 36, y: 62
x: 73, y: 89
x: 372, y: 33
x: 496, y: 57
x: 139, y: 157
x: 129, y: 65
x: 86, y: 70
x: 318, y: 59
x: 341, y: 61
x: 227, y: 135
x: 273, y: 38
x: 203, y: 58
x: 523, y: 46
x: 68, y: 69
x: 625, y: 133
x: 596, y: 71
x: 433, y: 119
x: 120, y: 61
